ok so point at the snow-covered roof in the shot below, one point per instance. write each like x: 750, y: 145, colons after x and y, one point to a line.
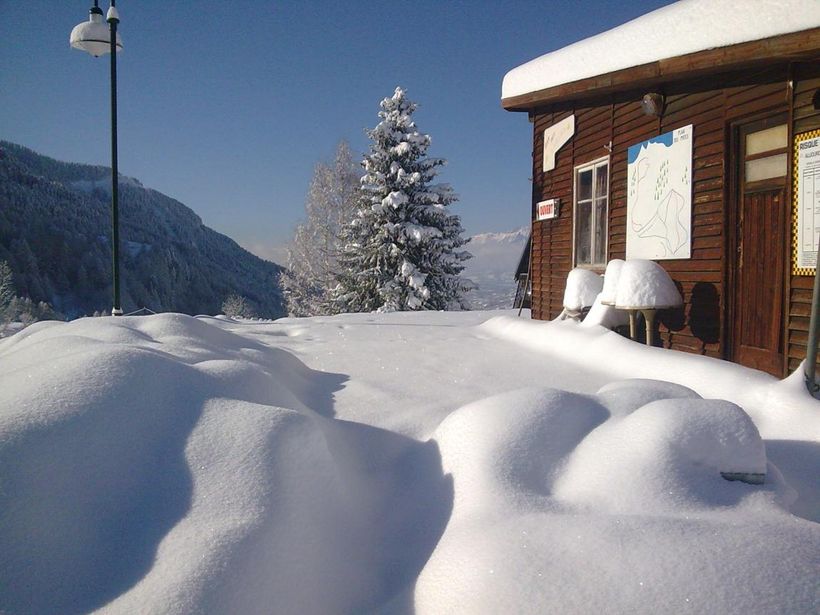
x: 685, y: 27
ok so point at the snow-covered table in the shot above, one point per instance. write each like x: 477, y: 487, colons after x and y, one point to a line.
x: 649, y: 312
x: 641, y: 286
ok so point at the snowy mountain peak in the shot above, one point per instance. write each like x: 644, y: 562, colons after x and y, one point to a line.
x: 515, y: 237
x: 495, y: 258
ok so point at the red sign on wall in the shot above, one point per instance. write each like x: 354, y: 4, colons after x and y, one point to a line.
x: 547, y: 209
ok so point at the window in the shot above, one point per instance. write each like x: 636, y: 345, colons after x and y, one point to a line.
x: 765, y: 154
x: 591, y: 208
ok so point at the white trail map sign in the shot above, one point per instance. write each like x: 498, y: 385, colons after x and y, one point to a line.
x: 659, y: 197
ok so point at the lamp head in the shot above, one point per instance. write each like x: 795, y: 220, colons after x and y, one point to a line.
x: 93, y: 36
x: 652, y: 104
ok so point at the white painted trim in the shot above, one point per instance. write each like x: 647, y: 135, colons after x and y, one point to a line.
x: 575, y: 170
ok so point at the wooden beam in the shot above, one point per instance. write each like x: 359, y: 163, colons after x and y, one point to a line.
x: 796, y: 46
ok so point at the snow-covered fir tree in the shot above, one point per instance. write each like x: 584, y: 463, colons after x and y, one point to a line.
x: 402, y: 247
x: 313, y: 253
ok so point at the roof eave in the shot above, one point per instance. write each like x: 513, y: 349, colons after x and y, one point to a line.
x: 785, y: 47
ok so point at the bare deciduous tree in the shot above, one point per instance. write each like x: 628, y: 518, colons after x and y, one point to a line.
x: 236, y: 306
x: 313, y: 254
x: 6, y: 287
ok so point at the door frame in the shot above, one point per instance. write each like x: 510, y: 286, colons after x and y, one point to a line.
x: 738, y: 128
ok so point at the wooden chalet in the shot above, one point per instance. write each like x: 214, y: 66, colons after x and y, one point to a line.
x: 676, y: 137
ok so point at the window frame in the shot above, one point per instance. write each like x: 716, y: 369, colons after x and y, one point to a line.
x: 769, y: 182
x: 593, y: 165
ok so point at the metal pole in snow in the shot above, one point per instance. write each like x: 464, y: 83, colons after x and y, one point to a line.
x: 113, y: 20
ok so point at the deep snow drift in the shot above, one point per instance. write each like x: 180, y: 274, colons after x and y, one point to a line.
x: 427, y: 462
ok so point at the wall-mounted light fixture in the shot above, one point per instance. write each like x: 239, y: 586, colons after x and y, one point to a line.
x: 652, y: 104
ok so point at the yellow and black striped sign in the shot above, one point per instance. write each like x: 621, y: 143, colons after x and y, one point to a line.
x: 796, y: 226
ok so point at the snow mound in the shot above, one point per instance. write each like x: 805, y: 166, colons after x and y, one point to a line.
x: 624, y: 396
x: 644, y: 283
x: 582, y: 287
x: 162, y: 464
x: 633, y: 475
x: 512, y: 442
x: 636, y: 439
x: 196, y: 465
x: 669, y: 454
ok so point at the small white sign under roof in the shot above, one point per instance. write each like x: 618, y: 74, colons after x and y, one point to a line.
x: 555, y: 137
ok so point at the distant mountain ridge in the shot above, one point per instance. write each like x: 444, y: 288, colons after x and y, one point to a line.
x: 495, y: 258
x: 55, y: 229
x: 515, y: 237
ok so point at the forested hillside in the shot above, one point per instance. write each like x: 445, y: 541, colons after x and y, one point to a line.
x: 55, y: 226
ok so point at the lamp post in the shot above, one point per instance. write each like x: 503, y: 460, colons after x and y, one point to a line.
x: 97, y: 39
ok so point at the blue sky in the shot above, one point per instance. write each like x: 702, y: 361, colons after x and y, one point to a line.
x: 227, y: 106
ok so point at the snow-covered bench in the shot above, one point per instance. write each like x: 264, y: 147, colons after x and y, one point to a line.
x: 583, y: 286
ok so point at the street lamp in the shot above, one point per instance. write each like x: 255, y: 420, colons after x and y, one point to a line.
x: 97, y: 39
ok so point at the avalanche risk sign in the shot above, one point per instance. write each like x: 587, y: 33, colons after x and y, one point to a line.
x: 806, y: 209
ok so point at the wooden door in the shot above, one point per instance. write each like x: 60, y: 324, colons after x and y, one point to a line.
x: 761, y: 241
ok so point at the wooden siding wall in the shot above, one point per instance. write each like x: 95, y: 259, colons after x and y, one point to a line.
x: 805, y: 118
x: 713, y: 105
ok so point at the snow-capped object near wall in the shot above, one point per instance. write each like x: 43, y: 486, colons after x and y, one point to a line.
x: 644, y: 283
x: 582, y: 287
x: 611, y: 275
